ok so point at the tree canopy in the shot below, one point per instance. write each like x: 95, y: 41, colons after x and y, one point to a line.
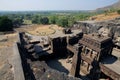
x: 5, y: 24
x: 44, y: 20
x: 64, y: 19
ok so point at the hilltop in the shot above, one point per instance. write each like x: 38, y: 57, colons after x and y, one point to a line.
x: 107, y: 13
x: 113, y: 6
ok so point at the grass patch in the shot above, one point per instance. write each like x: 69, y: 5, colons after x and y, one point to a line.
x: 27, y: 22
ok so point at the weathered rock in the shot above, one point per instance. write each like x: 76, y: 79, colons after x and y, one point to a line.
x: 92, y: 26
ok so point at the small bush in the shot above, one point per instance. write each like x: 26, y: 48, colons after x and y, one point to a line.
x: 118, y: 11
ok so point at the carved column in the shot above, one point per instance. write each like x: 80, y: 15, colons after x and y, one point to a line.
x: 83, y: 49
x: 67, y: 40
x: 98, y: 56
x: 88, y: 67
x: 75, y: 69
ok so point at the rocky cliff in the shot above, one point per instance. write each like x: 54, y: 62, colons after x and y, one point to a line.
x: 108, y: 26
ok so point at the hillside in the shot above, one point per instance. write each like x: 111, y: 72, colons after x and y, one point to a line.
x: 108, y: 16
x: 113, y: 6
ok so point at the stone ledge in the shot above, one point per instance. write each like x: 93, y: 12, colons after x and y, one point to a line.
x: 17, y: 64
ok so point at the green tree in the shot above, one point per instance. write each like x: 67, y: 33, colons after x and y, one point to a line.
x: 71, y: 21
x: 36, y: 19
x: 5, y: 24
x: 44, y: 20
x: 63, y: 22
x: 17, y: 22
x: 53, y: 19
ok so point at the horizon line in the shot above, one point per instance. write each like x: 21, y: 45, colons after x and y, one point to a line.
x: 40, y: 10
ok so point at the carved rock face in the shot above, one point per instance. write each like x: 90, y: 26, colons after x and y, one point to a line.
x: 106, y: 27
x: 67, y: 31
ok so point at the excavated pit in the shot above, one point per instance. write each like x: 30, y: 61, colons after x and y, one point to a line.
x: 45, y: 62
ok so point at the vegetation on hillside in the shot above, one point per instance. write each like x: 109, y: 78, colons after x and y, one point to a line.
x: 106, y: 15
x: 62, y: 18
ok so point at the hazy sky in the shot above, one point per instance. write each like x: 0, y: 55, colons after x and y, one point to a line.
x: 22, y: 5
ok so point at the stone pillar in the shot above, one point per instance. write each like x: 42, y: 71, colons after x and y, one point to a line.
x: 110, y: 51
x: 98, y: 56
x: 67, y: 40
x: 85, y: 50
x: 88, y: 67
x: 74, y: 64
x: 75, y: 69
x: 51, y: 44
x: 82, y: 62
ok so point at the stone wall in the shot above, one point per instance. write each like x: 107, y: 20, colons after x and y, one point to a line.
x: 17, y: 64
x: 59, y: 45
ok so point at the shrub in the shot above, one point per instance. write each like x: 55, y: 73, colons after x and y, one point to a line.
x: 118, y: 11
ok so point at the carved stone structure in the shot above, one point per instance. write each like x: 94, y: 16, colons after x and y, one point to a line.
x: 26, y: 67
x: 93, y: 53
x: 67, y: 31
x: 89, y: 57
x: 95, y: 49
x: 58, y: 44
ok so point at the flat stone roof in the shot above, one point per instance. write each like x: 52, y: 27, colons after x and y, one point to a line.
x: 96, y: 37
x: 61, y: 34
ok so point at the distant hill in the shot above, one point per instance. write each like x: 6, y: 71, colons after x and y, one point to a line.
x: 113, y: 6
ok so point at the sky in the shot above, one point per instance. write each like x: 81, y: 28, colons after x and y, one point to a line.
x: 33, y: 5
